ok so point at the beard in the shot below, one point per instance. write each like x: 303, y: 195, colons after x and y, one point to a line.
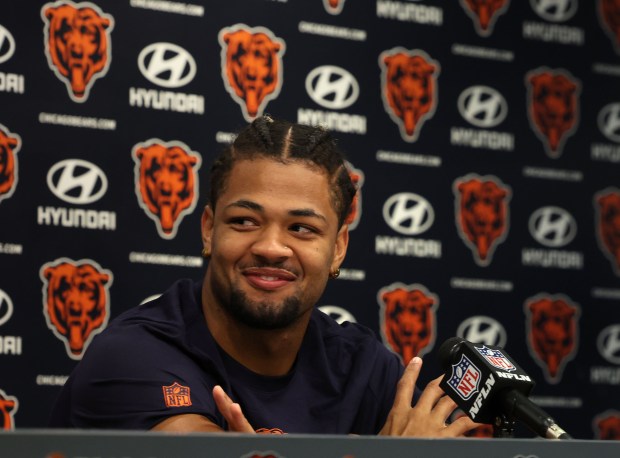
x: 263, y: 315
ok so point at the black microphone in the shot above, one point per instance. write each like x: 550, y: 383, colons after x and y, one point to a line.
x: 489, y: 386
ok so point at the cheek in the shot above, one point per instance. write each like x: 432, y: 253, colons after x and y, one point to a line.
x: 317, y: 260
x: 228, y: 247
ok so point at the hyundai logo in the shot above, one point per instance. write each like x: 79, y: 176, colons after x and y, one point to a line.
x: 77, y: 181
x: 167, y: 65
x: 339, y: 314
x: 408, y: 213
x: 332, y: 87
x: 609, y: 121
x: 6, y: 307
x: 608, y: 343
x: 555, y: 10
x: 552, y: 226
x: 482, y: 330
x: 7, y: 45
x: 482, y: 106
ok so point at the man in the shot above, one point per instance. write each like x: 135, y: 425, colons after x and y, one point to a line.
x: 247, y: 351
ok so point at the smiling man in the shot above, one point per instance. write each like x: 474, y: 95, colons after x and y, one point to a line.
x: 247, y: 351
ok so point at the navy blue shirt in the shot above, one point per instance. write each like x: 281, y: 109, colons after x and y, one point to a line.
x: 159, y: 359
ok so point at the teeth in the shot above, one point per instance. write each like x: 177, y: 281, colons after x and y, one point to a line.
x: 268, y: 278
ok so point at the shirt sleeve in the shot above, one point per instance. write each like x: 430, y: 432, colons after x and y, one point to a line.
x: 134, y: 381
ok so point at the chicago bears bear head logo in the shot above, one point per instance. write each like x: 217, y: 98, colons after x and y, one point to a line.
x: 8, y: 408
x: 76, y: 302
x: 251, y: 66
x: 482, y: 214
x: 607, y: 425
x: 607, y: 204
x: 552, y: 332
x: 484, y: 13
x: 553, y: 107
x: 166, y: 175
x: 355, y: 212
x: 408, y: 319
x: 9, y: 146
x: 409, y: 89
x: 78, y: 44
x: 333, y: 6
x: 609, y: 18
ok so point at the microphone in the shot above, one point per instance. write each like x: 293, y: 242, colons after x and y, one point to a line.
x: 490, y: 387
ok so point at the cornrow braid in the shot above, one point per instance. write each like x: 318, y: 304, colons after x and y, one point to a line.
x: 316, y: 138
x: 261, y: 126
x: 284, y: 141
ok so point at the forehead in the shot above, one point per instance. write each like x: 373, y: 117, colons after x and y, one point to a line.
x: 289, y: 185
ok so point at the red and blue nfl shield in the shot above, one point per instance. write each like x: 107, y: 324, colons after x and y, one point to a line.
x: 465, y: 378
x: 496, y: 358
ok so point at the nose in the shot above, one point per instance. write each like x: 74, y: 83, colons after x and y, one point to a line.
x: 270, y: 245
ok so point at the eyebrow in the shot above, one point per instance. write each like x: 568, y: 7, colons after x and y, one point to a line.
x: 301, y: 212
x: 246, y: 204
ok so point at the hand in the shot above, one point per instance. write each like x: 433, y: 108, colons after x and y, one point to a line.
x: 231, y: 411
x: 428, y: 417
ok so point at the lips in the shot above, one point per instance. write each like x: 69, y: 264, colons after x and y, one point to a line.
x: 268, y: 278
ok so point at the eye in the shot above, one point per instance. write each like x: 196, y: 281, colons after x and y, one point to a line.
x: 303, y: 229
x: 242, y: 222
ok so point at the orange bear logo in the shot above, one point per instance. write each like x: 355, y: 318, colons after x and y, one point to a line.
x: 9, y: 146
x: 333, y: 6
x: 609, y: 17
x: 76, y: 302
x: 166, y: 175
x: 552, y: 333
x: 77, y: 44
x: 484, y: 13
x: 482, y: 214
x: 8, y: 408
x: 409, y: 89
x: 408, y: 319
x: 251, y: 67
x: 553, y: 107
x: 355, y: 212
x: 607, y: 205
x: 607, y: 425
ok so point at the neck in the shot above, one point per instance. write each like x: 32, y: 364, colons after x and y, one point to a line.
x: 267, y: 352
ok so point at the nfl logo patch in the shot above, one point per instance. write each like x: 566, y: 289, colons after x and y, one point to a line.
x: 465, y: 378
x: 177, y: 395
x: 496, y: 358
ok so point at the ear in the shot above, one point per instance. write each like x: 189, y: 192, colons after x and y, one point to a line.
x: 340, y: 251
x: 206, y: 227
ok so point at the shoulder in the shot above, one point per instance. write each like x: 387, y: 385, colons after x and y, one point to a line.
x: 125, y: 375
x: 351, y: 341
x: 330, y: 330
x: 150, y: 335
x: 173, y: 307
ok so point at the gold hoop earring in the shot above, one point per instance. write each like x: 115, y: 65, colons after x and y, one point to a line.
x: 335, y: 274
x: 206, y: 253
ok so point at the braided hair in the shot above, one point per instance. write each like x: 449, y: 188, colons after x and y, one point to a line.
x: 284, y: 141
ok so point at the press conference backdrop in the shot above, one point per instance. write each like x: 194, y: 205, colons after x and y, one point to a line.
x: 484, y: 138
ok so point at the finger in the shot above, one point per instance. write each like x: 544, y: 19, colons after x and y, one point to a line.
x: 238, y: 422
x: 431, y: 394
x: 461, y: 425
x: 406, y: 384
x: 444, y: 407
x: 231, y: 411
